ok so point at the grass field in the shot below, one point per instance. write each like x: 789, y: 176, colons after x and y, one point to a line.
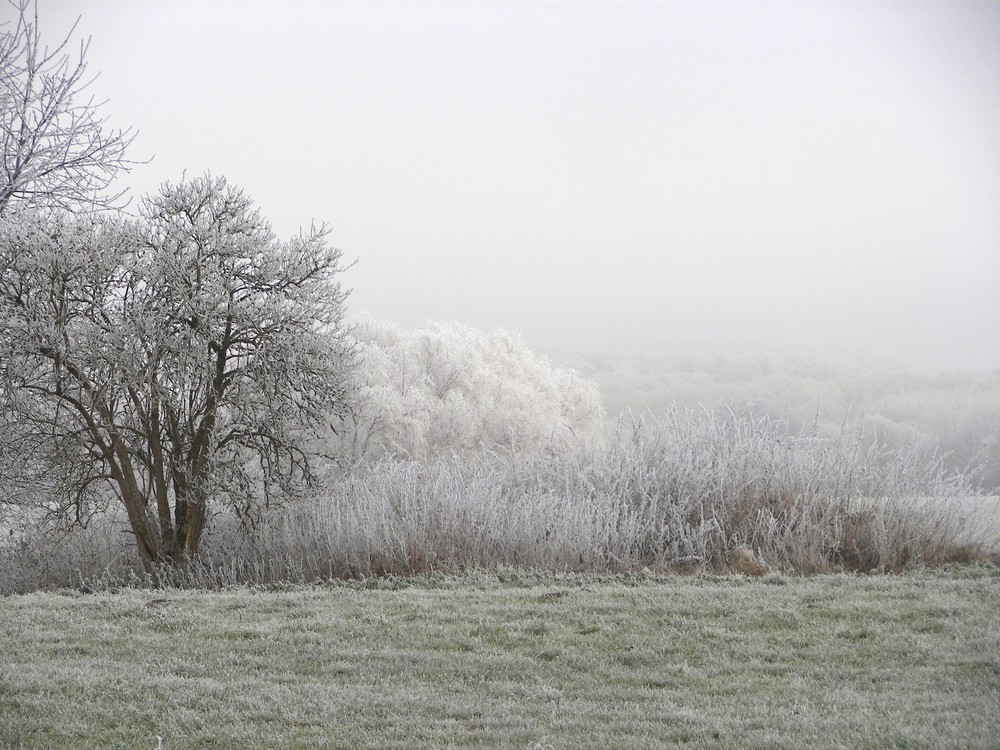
x: 512, y: 660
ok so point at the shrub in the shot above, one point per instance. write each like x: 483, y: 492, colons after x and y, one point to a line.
x: 450, y: 388
x: 687, y: 491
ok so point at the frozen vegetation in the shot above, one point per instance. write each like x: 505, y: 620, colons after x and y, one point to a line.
x: 512, y: 660
x: 957, y: 412
x: 452, y: 389
x: 182, y: 400
x: 685, y: 492
x: 230, y: 519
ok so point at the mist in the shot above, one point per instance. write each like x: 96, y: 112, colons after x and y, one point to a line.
x: 808, y: 178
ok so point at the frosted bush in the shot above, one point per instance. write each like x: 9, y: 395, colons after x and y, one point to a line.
x: 686, y: 491
x: 451, y: 388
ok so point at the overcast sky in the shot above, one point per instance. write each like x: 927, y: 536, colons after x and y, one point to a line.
x: 814, y: 177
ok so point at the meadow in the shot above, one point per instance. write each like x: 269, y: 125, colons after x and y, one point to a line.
x: 511, y: 659
x: 700, y: 580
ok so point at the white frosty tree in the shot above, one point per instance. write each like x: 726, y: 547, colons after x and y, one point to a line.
x: 452, y: 388
x: 55, y: 148
x: 184, y: 359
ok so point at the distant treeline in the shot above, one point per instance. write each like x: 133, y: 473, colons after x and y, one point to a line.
x: 959, y: 411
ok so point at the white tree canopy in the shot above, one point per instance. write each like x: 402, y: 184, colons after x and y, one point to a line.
x: 183, y: 359
x: 453, y: 388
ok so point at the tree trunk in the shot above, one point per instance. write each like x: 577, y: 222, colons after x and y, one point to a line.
x: 150, y: 551
x: 190, y: 515
x: 158, y: 471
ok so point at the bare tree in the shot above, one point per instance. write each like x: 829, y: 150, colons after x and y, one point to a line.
x: 180, y: 361
x: 54, y: 147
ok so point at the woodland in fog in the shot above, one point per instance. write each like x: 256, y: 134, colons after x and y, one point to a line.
x: 959, y: 412
x: 451, y: 387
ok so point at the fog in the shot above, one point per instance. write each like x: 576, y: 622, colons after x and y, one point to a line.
x: 813, y: 178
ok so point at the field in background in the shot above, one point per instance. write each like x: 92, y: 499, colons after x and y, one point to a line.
x: 513, y: 660
x: 983, y: 518
x: 959, y: 411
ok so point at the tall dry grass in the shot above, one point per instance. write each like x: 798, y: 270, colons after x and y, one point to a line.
x: 686, y: 491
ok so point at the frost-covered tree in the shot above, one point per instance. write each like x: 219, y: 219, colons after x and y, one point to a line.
x: 55, y: 148
x: 452, y: 388
x: 185, y: 359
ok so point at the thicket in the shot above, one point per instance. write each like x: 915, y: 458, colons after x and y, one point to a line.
x: 451, y: 388
x: 685, y: 492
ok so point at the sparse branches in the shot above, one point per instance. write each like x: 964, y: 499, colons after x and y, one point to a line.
x: 55, y: 148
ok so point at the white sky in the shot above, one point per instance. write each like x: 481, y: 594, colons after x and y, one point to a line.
x: 798, y: 175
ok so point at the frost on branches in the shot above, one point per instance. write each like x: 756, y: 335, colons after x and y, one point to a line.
x: 181, y: 360
x: 451, y: 388
x: 55, y: 147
